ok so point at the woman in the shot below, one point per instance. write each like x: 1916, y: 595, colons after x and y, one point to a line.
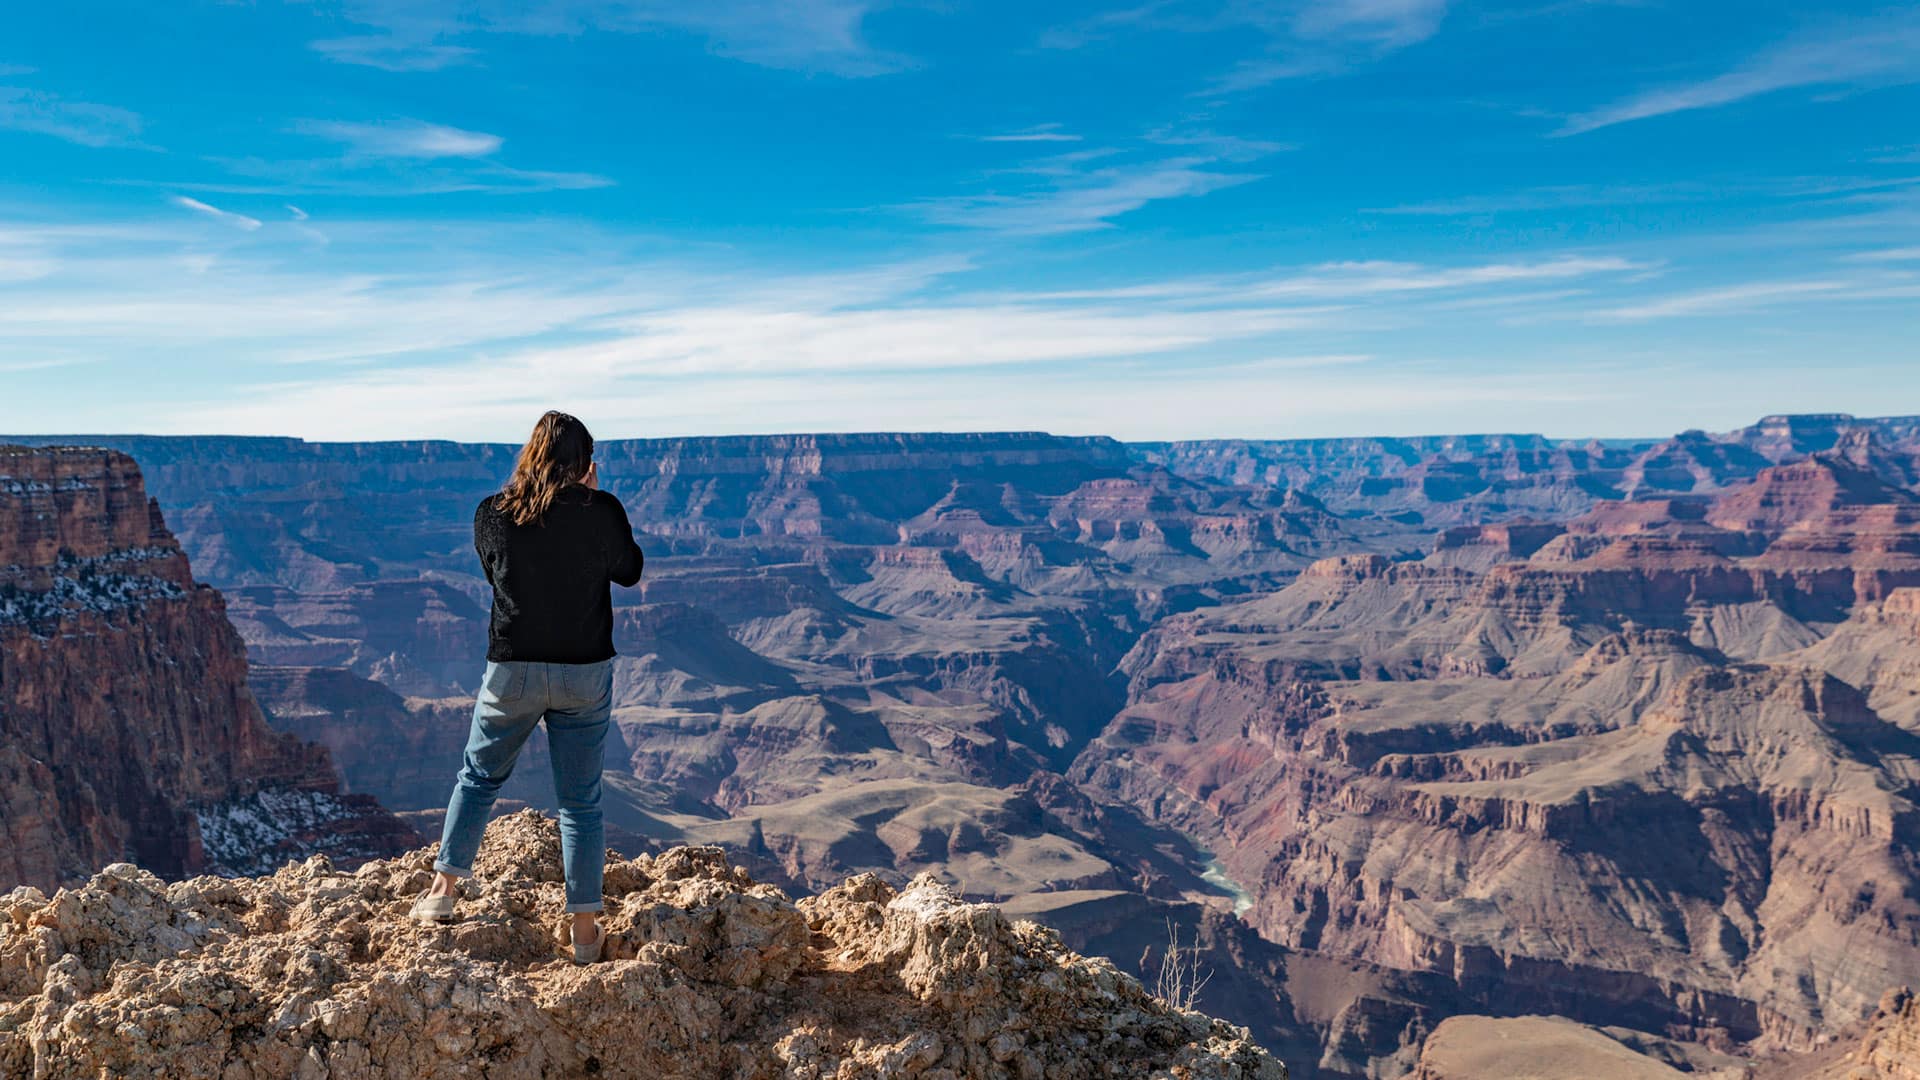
x: 550, y: 542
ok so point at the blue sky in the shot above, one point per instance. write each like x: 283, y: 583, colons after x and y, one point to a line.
x: 403, y: 218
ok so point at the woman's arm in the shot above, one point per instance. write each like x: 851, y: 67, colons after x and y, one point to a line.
x: 625, y: 561
x: 480, y: 544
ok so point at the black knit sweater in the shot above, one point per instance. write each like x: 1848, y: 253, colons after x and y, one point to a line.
x: 551, y: 600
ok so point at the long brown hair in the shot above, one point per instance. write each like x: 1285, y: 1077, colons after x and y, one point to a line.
x: 558, y: 453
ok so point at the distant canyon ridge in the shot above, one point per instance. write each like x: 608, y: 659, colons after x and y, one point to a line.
x: 1393, y: 729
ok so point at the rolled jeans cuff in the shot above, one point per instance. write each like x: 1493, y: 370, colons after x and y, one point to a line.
x: 596, y: 905
x: 449, y: 868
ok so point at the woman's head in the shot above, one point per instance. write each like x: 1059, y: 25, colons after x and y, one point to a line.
x: 558, y: 453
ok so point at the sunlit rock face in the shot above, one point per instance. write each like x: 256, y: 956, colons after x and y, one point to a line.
x: 125, y: 719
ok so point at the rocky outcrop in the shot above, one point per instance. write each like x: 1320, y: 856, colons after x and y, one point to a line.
x: 127, y: 731
x: 1890, y: 1049
x: 317, y: 972
x: 1786, y: 436
x: 1827, y: 492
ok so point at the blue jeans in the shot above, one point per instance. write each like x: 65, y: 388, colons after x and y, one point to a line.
x: 515, y: 695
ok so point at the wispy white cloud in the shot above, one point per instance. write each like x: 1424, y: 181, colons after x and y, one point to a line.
x: 403, y: 139
x: 1375, y: 281
x: 604, y: 320
x: 1220, y: 146
x: 1860, y: 54
x: 1356, y: 282
x: 1557, y: 197
x: 1899, y: 254
x: 332, y: 177
x: 1383, y: 23
x: 392, y: 52
x: 1732, y: 298
x: 15, y: 267
x: 684, y: 320
x: 1087, y: 188
x: 672, y: 319
x: 1297, y: 40
x: 1146, y: 15
x: 824, y: 36
x: 266, y: 307
x: 1126, y: 401
x: 1325, y: 37
x: 43, y: 364
x: 1075, y: 200
x: 24, y: 255
x: 1361, y: 280
x: 746, y: 338
x: 82, y: 122
x: 1259, y: 365
x: 1387, y: 24
x: 391, y: 158
x: 225, y: 217
x: 298, y: 214
x: 1040, y: 133
x: 348, y: 342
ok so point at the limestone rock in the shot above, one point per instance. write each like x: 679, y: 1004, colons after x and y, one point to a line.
x: 315, y: 972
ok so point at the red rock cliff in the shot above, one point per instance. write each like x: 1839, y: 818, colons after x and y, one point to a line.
x: 127, y: 731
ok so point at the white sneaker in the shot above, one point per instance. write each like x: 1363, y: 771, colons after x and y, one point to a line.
x: 590, y: 952
x: 433, y: 909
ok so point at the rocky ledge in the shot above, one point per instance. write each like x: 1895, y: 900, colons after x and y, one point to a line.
x: 314, y: 972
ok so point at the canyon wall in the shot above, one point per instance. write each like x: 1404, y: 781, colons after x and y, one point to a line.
x: 127, y: 731
x: 1624, y: 778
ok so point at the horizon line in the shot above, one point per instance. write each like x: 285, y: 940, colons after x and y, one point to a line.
x: 44, y: 439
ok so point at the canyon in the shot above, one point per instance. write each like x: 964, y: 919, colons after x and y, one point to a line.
x: 1407, y: 737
